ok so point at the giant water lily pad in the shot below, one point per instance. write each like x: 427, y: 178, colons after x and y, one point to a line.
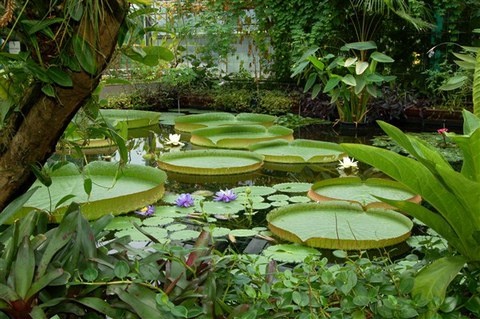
x: 87, y: 147
x: 355, y: 190
x: 339, y: 225
x: 211, y: 162
x: 238, y: 137
x: 133, y: 118
x: 114, y: 190
x: 298, y: 151
x: 192, y: 122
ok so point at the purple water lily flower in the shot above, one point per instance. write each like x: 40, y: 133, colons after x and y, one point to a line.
x: 146, y: 211
x: 225, y: 196
x: 184, y: 200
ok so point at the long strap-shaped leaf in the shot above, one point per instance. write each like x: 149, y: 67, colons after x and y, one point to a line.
x: 476, y: 86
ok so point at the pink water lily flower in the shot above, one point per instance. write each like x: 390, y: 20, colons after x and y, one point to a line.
x: 442, y: 130
x: 225, y: 196
x: 184, y: 200
x: 146, y: 211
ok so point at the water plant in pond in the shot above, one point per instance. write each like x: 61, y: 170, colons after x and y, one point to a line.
x: 226, y: 196
x: 453, y: 195
x: 101, y: 188
x: 339, y: 225
x: 298, y: 151
x: 363, y: 192
x: 133, y: 118
x: 146, y: 211
x: 174, y: 140
x: 211, y: 162
x: 188, y: 123
x: 238, y: 137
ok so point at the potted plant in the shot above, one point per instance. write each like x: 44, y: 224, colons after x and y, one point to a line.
x: 350, y: 78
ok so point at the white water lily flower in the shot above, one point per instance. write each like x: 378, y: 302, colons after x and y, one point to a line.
x: 174, y: 140
x: 348, y: 163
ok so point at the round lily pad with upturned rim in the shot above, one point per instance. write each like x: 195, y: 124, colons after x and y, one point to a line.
x: 238, y: 137
x: 133, y: 118
x: 294, y: 187
x: 255, y: 190
x: 88, y: 147
x: 192, y: 122
x: 211, y: 162
x: 298, y: 151
x: 115, y: 189
x: 339, y: 225
x: 363, y: 192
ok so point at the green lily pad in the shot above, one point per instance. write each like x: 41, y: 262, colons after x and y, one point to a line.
x: 238, y: 137
x: 211, y: 162
x: 114, y: 190
x: 123, y: 222
x: 243, y: 232
x: 355, y: 190
x: 339, y: 225
x: 159, y: 233
x: 168, y: 118
x: 299, y: 199
x: 176, y: 227
x: 255, y: 190
x: 261, y: 206
x: 298, y: 151
x: 279, y: 203
x: 189, y: 123
x: 218, y: 231
x: 133, y: 118
x: 278, y: 197
x: 184, y: 235
x: 221, y: 208
x: 293, y: 187
x: 88, y: 147
x: 289, y: 253
x: 158, y: 221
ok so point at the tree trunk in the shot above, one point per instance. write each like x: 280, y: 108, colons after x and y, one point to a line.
x: 30, y: 136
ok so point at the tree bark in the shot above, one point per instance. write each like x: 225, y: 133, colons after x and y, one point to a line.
x: 30, y: 136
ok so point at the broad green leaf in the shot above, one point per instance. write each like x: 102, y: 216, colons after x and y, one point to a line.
x: 121, y: 269
x: 24, y: 268
x: 331, y: 84
x: 470, y: 122
x: 297, y: 69
x: 382, y: 58
x: 141, y: 2
x: 7, y: 294
x: 48, y: 90
x: 150, y: 55
x: 59, y: 76
x: 470, y: 146
x: 40, y: 25
x: 16, y: 204
x: 188, y: 123
x: 361, y: 46
x: 432, y: 281
x: 44, y: 281
x: 350, y: 62
x: 38, y: 313
x: 310, y: 82
x: 316, y: 90
x: 465, y: 57
x: 454, y: 83
x: 349, y: 80
x: 316, y: 62
x: 360, y: 67
x: 100, y: 305
x: 85, y: 55
x: 465, y: 65
x: 63, y: 200
x: 361, y: 83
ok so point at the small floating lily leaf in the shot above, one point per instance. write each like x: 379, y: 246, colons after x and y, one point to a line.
x: 255, y: 190
x: 293, y: 187
x: 277, y: 197
x: 238, y: 137
x: 123, y: 222
x: 183, y: 235
x: 289, y: 253
x: 133, y: 118
x: 168, y: 211
x: 243, y: 232
x: 203, y: 192
x: 299, y: 199
x: 363, y: 192
x: 280, y: 203
x: 259, y: 229
x: 211, y: 162
x: 158, y: 221
x: 242, y: 198
x: 221, y: 208
x: 189, y: 123
x: 339, y: 225
x: 298, y: 151
x: 261, y: 205
x: 136, y: 235
x: 218, y: 231
x: 176, y: 227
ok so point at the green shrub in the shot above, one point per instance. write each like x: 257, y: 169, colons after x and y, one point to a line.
x: 274, y: 102
x: 232, y: 100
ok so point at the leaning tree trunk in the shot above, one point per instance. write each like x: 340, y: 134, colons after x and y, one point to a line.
x: 29, y: 136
